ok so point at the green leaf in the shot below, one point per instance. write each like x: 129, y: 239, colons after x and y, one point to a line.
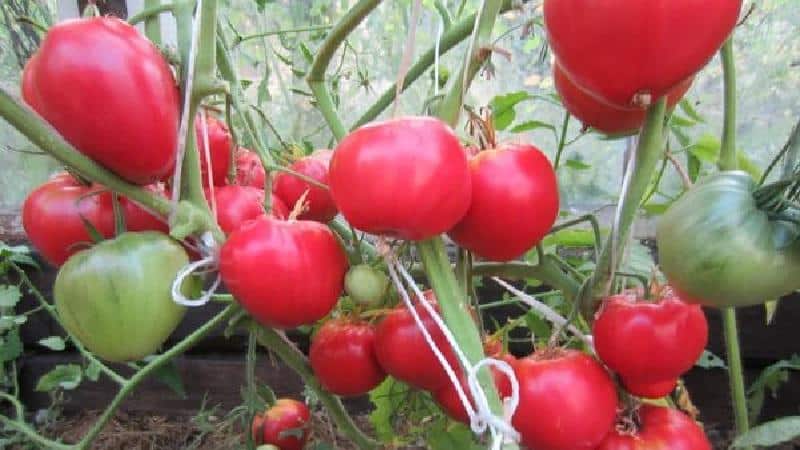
x: 656, y: 209
x: 539, y: 327
x: 263, y: 91
x: 503, y: 112
x: 575, y: 164
x: 11, y: 346
x: 770, y: 308
x: 747, y: 164
x: 55, y: 343
x: 688, y: 109
x: 534, y: 125
x: 387, y: 398
x: 457, y: 436
x: 709, y: 360
x: 771, y: 378
x: 64, y: 376
x: 680, y: 121
x: 307, y: 55
x: 169, y: 375
x: 92, y: 371
x: 771, y: 433
x: 9, y: 296
x: 706, y: 149
x: 570, y: 238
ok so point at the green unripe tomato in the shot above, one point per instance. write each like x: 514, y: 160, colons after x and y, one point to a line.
x: 116, y: 298
x: 366, y: 285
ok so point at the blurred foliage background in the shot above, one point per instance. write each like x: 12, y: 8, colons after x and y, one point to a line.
x: 519, y: 85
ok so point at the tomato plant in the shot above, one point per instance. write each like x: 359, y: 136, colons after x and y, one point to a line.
x: 285, y: 425
x: 658, y: 428
x: 108, y: 91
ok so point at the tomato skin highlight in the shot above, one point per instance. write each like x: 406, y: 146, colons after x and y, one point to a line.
x: 661, y: 429
x: 342, y: 356
x: 116, y: 297
x: 566, y: 403
x: 53, y: 216
x: 603, y: 117
x: 274, y: 426
x: 650, y: 345
x: 290, y: 189
x: 109, y: 92
x: 621, y: 48
x: 284, y: 273
x: 405, y: 177
x: 219, y: 148
x: 514, y: 202
x: 249, y: 170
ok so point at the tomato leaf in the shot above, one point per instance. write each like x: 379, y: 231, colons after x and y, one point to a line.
x: 387, y: 398
x: 771, y: 378
x: 771, y: 433
x: 534, y: 125
x: 503, y: 108
x: 92, y: 371
x: 169, y: 375
x: 747, y: 164
x: 709, y: 360
x: 575, y: 164
x: 10, y: 346
x: 64, y: 376
x: 451, y: 437
x: 770, y: 308
x: 570, y: 238
x: 688, y: 109
x: 55, y: 343
x: 9, y: 296
x: 706, y: 149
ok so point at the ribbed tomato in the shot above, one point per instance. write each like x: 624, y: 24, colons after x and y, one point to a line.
x: 285, y: 425
x: 649, y: 344
x: 601, y: 116
x: 109, y: 92
x: 236, y: 205
x: 342, y: 356
x: 219, y: 148
x: 404, y: 353
x: 514, y: 202
x: 625, y: 50
x: 660, y: 429
x: 249, y: 170
x: 405, y: 177
x: 290, y: 189
x: 566, y: 402
x: 53, y: 216
x: 284, y: 273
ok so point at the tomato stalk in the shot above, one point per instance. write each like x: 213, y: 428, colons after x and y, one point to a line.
x: 294, y: 358
x: 727, y: 152
x: 547, y: 271
x: 152, y: 24
x: 150, y: 10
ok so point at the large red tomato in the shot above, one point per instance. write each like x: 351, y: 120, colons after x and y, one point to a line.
x: 285, y: 425
x: 290, y: 189
x: 53, y: 217
x: 404, y: 353
x: 219, y: 148
x: 109, y: 92
x: 405, y: 177
x: 448, y: 399
x: 249, y: 170
x: 284, y: 273
x: 650, y: 345
x: 343, y: 358
x: 660, y: 429
x: 236, y: 205
x: 601, y: 116
x: 514, y: 202
x: 621, y: 50
x: 568, y: 402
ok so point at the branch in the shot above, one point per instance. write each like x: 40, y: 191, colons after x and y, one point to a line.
x: 727, y: 152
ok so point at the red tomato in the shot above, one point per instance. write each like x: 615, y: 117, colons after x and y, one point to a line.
x: 660, y: 429
x: 281, y: 424
x: 343, y: 358
x: 650, y: 345
x: 323, y: 154
x: 109, y: 92
x: 219, y: 147
x: 448, y: 399
x: 53, y: 217
x: 237, y: 205
x: 603, y: 117
x: 514, y: 202
x: 249, y: 171
x: 403, y: 351
x: 404, y: 177
x: 568, y: 402
x: 290, y: 189
x: 622, y: 49
x: 284, y: 273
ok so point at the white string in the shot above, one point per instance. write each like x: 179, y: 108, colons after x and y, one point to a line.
x: 630, y: 168
x: 210, y: 262
x: 481, y: 416
x: 209, y: 163
x: 547, y: 312
x: 436, y: 58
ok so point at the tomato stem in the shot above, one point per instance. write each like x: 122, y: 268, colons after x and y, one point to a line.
x: 148, y: 12
x: 152, y: 23
x: 735, y: 370
x: 727, y: 152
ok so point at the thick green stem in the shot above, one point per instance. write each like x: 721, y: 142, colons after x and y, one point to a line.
x: 152, y: 24
x: 727, y: 152
x: 547, y: 271
x: 295, y: 359
x: 735, y: 370
x: 149, y: 12
x: 41, y: 134
x: 648, y: 153
x: 328, y: 110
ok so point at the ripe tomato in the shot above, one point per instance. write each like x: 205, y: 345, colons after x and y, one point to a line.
x: 109, y: 92
x: 249, y: 171
x: 116, y: 297
x: 650, y: 345
x: 622, y: 49
x: 718, y: 248
x: 285, y: 425
x: 219, y: 147
x: 236, y: 205
x: 405, y: 177
x: 568, y: 402
x: 284, y: 273
x: 601, y: 116
x: 53, y: 216
x: 661, y: 429
x: 290, y: 189
x: 343, y: 358
x: 366, y: 285
x: 514, y: 202
x: 448, y: 399
x: 403, y: 351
